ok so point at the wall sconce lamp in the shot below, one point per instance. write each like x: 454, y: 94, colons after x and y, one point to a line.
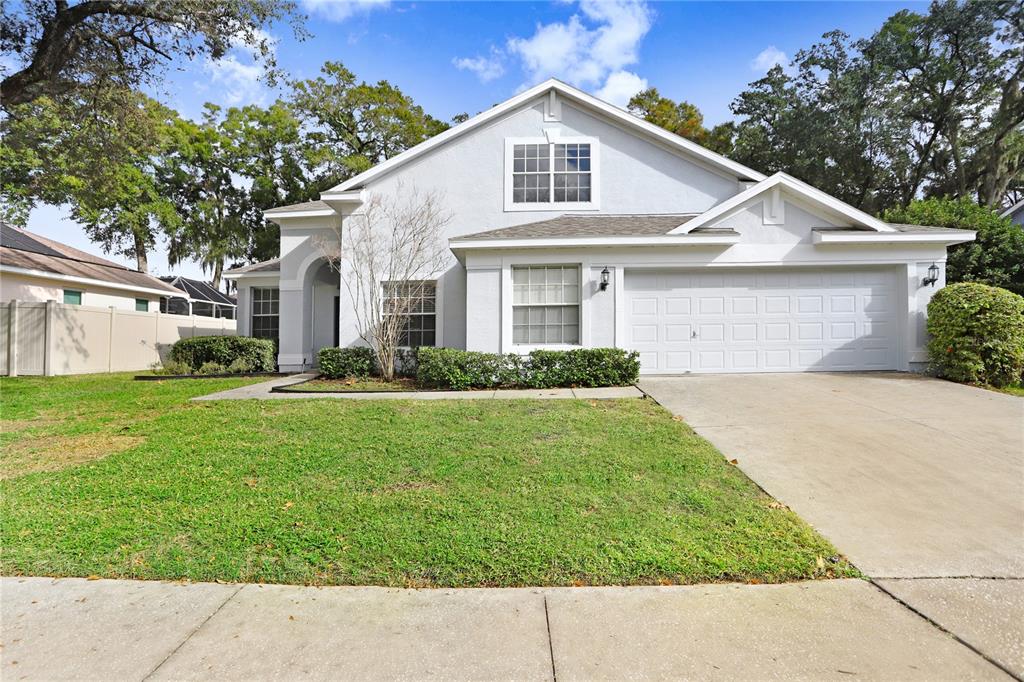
x: 933, y: 276
x: 605, y: 275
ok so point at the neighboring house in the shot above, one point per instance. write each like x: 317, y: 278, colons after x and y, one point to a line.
x: 196, y: 298
x: 576, y: 224
x: 37, y: 269
x: 1015, y: 213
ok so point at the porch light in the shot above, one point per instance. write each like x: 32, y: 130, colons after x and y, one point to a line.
x: 605, y: 275
x: 933, y: 275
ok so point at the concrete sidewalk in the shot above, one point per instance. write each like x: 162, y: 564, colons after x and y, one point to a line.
x: 112, y: 629
x: 264, y: 391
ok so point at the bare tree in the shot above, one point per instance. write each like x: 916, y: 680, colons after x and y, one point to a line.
x: 388, y: 255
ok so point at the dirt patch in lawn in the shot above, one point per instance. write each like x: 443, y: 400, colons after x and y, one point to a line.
x: 53, y: 453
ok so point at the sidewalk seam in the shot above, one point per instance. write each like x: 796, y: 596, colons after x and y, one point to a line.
x: 551, y: 644
x: 194, y: 631
x: 938, y: 626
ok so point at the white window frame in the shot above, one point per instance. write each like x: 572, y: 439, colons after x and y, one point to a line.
x: 595, y: 174
x: 507, y: 343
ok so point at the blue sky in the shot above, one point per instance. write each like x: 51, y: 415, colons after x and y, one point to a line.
x: 465, y: 57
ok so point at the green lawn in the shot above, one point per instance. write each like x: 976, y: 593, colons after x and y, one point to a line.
x: 110, y: 477
x: 1013, y: 389
x: 353, y: 385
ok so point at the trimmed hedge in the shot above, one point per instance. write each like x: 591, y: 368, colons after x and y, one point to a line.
x: 977, y: 334
x: 237, y: 351
x: 342, y: 363
x: 453, y: 369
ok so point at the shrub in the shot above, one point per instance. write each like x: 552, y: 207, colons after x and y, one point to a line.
x: 212, y: 368
x: 240, y: 366
x: 977, y: 334
x: 171, y: 368
x: 405, y: 362
x: 225, y: 350
x: 582, y: 367
x: 341, y: 363
x: 458, y: 370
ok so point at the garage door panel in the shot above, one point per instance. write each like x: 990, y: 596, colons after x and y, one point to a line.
x: 762, y: 321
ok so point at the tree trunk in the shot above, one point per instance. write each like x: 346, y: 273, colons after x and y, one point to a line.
x: 218, y: 270
x: 141, y: 259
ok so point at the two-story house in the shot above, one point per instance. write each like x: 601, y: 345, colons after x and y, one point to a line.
x: 574, y: 223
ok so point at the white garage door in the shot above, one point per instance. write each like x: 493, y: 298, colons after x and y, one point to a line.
x: 762, y: 321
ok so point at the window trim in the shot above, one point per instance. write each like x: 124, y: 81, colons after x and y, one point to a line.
x: 253, y: 314
x: 583, y: 338
x: 595, y: 174
x: 81, y: 296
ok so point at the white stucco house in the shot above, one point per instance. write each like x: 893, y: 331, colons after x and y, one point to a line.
x: 577, y: 224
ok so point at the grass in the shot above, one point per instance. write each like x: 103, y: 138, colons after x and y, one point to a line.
x: 368, y: 385
x: 1013, y: 389
x: 403, y: 493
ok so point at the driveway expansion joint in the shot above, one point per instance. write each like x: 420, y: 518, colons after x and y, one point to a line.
x: 945, y: 630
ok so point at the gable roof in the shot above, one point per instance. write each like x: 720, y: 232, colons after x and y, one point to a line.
x: 572, y: 94
x: 300, y: 210
x: 27, y: 251
x: 781, y: 180
x: 197, y: 290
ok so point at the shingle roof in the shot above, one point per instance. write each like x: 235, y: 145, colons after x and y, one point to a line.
x: 299, y: 208
x: 272, y: 265
x: 23, y: 249
x: 903, y: 227
x: 572, y: 225
x: 198, y: 290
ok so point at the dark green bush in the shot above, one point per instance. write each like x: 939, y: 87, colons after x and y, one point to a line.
x: 258, y: 354
x: 342, y: 363
x: 977, y: 334
x: 582, y: 367
x: 458, y: 370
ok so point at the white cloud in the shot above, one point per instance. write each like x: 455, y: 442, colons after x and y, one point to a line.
x: 240, y: 73
x: 769, y: 57
x: 589, y: 49
x: 340, y: 10
x: 486, y: 68
x: 620, y: 87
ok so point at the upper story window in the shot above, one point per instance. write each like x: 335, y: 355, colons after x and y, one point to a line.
x: 542, y: 175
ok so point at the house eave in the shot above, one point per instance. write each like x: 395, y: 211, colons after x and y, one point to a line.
x: 834, y: 237
x: 252, y: 275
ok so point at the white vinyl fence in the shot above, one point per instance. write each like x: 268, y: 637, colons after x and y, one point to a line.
x: 54, y: 338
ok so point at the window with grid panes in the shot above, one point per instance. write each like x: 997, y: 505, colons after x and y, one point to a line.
x: 265, y: 313
x: 551, y: 173
x: 546, y: 304
x: 419, y: 301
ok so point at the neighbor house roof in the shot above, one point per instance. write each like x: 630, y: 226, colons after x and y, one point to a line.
x: 268, y: 267
x: 29, y: 253
x: 1012, y: 211
x: 197, y: 290
x: 554, y: 88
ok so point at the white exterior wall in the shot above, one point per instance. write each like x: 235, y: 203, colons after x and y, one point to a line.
x: 28, y: 288
x: 761, y: 246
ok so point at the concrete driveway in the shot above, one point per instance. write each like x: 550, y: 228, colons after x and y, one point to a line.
x: 920, y: 482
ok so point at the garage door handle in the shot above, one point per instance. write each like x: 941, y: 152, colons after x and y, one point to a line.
x: 693, y: 335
